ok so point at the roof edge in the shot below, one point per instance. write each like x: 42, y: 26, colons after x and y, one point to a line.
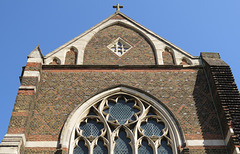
x: 79, y: 36
x: 156, y: 35
x: 36, y: 53
x: 129, y: 19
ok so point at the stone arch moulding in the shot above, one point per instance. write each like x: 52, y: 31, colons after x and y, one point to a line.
x: 68, y: 131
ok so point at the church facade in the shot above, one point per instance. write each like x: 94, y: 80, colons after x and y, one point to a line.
x: 121, y: 88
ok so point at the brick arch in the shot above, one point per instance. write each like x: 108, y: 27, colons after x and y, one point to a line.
x: 97, y: 51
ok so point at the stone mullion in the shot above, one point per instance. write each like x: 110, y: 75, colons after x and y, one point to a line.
x: 109, y: 134
x: 91, y: 147
x: 135, y: 132
x: 135, y: 147
x: 111, y: 148
x: 111, y: 143
x: 110, y: 138
x: 155, y: 148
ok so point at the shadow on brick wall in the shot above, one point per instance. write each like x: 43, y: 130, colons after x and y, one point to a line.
x: 207, y: 115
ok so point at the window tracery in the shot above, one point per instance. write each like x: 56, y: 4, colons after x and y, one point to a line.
x: 122, y: 124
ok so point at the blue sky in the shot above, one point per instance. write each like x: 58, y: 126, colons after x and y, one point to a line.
x: 194, y: 26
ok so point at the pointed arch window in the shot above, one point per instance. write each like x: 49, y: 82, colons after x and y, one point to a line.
x: 122, y: 124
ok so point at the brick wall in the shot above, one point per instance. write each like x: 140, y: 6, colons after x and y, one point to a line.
x: 225, y: 94
x: 184, y: 91
x: 97, y: 52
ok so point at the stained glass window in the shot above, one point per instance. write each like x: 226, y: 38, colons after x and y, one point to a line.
x: 100, y: 148
x: 122, y: 144
x: 91, y: 128
x: 81, y: 148
x: 164, y: 148
x: 119, y: 123
x: 121, y: 111
x: 152, y: 128
x: 145, y: 148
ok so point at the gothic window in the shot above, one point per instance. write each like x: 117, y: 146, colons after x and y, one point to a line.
x: 145, y: 148
x: 119, y: 47
x: 122, y: 124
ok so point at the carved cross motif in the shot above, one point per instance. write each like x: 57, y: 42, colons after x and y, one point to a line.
x: 119, y: 46
x: 118, y: 7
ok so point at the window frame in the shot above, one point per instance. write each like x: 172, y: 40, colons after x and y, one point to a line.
x: 68, y: 132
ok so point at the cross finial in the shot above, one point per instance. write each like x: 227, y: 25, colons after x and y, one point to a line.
x: 118, y: 7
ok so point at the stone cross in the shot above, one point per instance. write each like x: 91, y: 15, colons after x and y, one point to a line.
x: 118, y: 7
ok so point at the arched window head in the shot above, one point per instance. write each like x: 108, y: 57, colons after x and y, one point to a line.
x: 167, y: 55
x: 71, y: 56
x: 122, y: 123
x: 185, y: 61
x: 55, y: 61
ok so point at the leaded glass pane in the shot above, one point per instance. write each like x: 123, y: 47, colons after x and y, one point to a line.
x: 121, y: 111
x: 122, y: 144
x: 164, y: 148
x: 145, y: 148
x: 80, y: 148
x: 152, y: 128
x: 100, y: 148
x: 91, y: 128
